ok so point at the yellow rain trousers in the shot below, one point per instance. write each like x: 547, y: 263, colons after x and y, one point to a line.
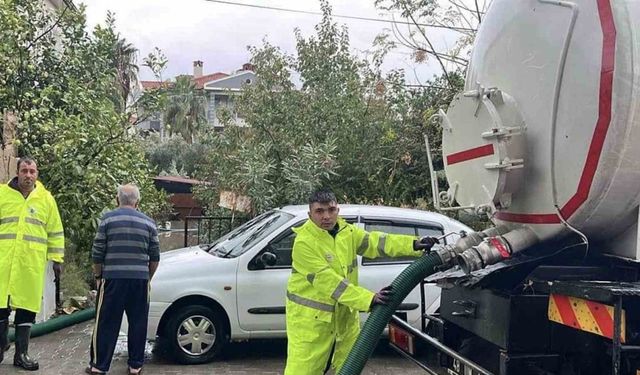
x: 31, y: 233
x: 323, y: 296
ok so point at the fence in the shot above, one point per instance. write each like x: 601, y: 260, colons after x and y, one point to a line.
x: 209, y: 228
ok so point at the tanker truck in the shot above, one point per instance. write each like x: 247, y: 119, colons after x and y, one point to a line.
x: 544, y: 140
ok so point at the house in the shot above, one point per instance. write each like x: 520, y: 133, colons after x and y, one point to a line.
x: 59, y: 4
x: 220, y: 90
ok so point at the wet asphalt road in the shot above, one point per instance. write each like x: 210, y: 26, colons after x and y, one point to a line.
x: 67, y: 352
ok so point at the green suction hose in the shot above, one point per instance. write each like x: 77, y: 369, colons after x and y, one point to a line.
x: 380, y: 315
x: 59, y: 323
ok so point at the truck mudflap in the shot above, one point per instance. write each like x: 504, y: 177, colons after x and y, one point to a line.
x: 586, y: 315
x: 403, y: 338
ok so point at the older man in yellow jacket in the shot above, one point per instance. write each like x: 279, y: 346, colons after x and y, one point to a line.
x: 323, y: 296
x: 31, y: 234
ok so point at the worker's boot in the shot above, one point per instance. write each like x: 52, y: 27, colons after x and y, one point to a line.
x: 21, y: 358
x: 4, y: 337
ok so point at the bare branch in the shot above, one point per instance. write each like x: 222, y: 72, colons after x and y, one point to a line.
x: 462, y: 6
x: 461, y: 12
x: 47, y: 31
x: 444, y: 69
x: 401, y: 36
x: 429, y: 86
x: 415, y: 75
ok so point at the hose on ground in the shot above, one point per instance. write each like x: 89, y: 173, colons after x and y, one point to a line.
x: 58, y: 323
x: 381, y: 314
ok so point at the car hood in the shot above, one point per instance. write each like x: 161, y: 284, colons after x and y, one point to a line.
x: 185, y: 255
x: 188, y: 262
x: 184, y: 269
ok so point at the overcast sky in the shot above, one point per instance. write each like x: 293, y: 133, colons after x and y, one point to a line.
x: 219, y: 34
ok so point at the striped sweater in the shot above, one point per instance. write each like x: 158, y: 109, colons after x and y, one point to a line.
x: 126, y: 241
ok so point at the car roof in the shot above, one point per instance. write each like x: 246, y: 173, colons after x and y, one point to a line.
x: 382, y: 211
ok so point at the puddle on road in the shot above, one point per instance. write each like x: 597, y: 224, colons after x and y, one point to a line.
x: 123, y: 352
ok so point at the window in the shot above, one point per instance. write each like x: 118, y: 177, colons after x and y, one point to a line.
x: 282, y: 246
x: 412, y: 229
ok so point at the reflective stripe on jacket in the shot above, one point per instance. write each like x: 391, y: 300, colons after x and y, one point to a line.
x: 325, y: 269
x: 31, y: 233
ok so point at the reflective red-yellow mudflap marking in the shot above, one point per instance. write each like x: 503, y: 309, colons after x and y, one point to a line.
x: 584, y: 315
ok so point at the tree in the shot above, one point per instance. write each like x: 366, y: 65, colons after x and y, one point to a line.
x: 186, y: 111
x: 349, y: 127
x: 151, y: 102
x: 126, y: 70
x: 59, y: 80
x: 173, y: 156
x: 461, y: 18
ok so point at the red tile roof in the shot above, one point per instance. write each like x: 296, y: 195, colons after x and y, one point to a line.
x: 200, y: 81
x: 149, y: 85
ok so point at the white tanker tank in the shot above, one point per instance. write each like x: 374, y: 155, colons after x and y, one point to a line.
x: 546, y: 135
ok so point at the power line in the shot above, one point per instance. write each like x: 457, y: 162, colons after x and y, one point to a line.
x: 463, y: 29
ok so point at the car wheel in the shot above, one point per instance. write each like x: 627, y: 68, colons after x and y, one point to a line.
x: 195, y: 334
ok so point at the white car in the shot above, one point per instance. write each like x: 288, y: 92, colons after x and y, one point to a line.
x: 204, y: 296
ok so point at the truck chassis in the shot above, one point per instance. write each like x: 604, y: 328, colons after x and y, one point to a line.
x: 555, y: 312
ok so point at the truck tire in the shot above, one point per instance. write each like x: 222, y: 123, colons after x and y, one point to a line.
x: 195, y: 334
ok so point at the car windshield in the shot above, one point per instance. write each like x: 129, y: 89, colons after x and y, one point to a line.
x: 243, y: 237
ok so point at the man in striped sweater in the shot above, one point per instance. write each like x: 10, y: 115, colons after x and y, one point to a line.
x: 125, y: 256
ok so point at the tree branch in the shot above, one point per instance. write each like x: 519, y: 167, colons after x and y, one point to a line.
x: 444, y: 69
x: 461, y: 9
x: 50, y: 28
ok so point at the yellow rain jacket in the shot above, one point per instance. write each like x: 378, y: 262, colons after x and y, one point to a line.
x: 31, y: 233
x: 323, y: 296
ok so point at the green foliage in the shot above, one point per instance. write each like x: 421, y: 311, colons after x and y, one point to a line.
x: 186, y: 111
x: 407, y: 8
x: 152, y: 102
x: 156, y: 61
x: 77, y: 270
x: 60, y: 81
x: 348, y: 127
x: 174, y: 154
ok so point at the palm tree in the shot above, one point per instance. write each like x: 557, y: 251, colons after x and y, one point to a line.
x: 126, y: 68
x: 186, y: 109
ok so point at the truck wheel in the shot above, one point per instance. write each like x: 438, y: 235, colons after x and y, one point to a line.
x: 195, y: 334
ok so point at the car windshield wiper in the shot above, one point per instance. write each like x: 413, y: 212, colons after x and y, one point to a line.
x: 214, y: 244
x: 258, y: 231
x: 222, y: 251
x: 252, y: 236
x: 240, y: 230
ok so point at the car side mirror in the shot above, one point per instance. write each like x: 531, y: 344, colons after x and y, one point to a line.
x: 267, y: 259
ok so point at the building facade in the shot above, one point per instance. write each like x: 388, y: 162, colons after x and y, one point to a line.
x: 220, y: 90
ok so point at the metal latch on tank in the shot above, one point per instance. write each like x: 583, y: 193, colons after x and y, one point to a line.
x: 483, y: 147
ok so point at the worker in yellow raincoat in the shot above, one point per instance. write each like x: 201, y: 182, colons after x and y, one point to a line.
x: 31, y: 234
x: 323, y: 296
